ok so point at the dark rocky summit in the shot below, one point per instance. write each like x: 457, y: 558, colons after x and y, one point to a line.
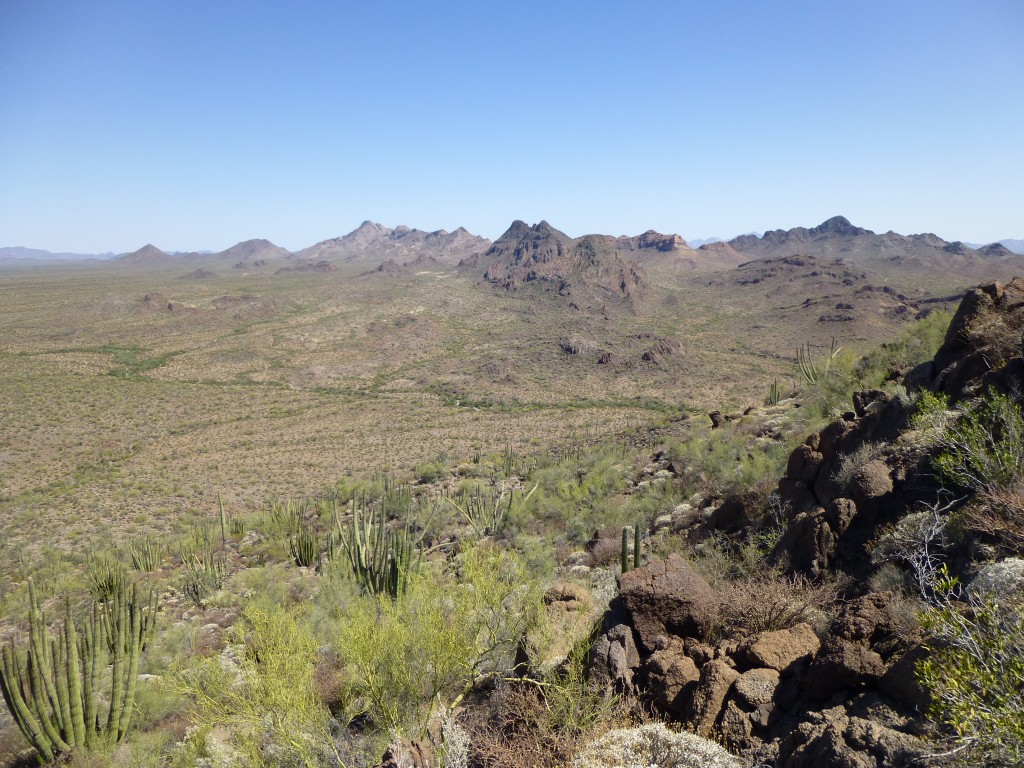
x: 544, y: 256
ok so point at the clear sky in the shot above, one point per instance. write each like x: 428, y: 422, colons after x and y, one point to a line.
x: 196, y: 124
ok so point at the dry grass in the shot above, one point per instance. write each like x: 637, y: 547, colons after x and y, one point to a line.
x: 118, y: 417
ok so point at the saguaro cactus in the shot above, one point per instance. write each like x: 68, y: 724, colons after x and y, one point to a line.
x: 625, y: 556
x: 53, y: 689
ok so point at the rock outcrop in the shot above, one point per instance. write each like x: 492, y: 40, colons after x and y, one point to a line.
x: 845, y: 695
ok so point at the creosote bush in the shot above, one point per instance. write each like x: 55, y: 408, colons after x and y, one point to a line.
x: 406, y: 659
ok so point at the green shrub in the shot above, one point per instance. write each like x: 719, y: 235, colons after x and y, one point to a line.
x: 980, y: 448
x: 974, y: 671
x: 405, y: 658
x: 983, y: 449
x: 267, y: 702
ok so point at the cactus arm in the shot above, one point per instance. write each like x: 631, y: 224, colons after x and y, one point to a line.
x: 624, y: 554
x: 74, y: 677
x: 636, y: 546
x: 42, y: 707
x: 41, y: 675
x: 135, y: 650
x: 116, y: 629
x: 11, y: 687
x: 60, y: 673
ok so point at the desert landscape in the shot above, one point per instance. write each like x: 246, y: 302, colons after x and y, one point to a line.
x: 209, y: 425
x: 492, y: 385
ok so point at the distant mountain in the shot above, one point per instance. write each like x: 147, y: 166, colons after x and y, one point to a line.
x: 249, y: 251
x: 590, y: 267
x: 148, y: 254
x: 1017, y: 246
x: 36, y: 254
x: 924, y: 253
x: 375, y: 244
x: 697, y: 242
x: 671, y: 253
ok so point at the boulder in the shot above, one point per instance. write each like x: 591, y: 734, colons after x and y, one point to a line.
x: 868, y: 619
x: 667, y: 597
x: 705, y: 705
x: 613, y: 659
x: 839, y: 666
x: 779, y: 650
x: 835, y: 739
x: 671, y: 675
x: 756, y: 687
x: 808, y: 543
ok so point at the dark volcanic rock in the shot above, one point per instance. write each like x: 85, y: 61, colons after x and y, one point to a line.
x: 667, y: 597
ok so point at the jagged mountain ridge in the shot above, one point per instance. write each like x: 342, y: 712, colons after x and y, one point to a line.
x: 920, y: 253
x: 372, y: 242
x: 541, y: 254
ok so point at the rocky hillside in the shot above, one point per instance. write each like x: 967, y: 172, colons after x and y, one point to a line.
x: 861, y: 507
x: 590, y: 266
x: 374, y: 244
x: 920, y: 254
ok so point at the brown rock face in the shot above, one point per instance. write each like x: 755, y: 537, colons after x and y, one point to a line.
x: 671, y: 675
x: 781, y: 649
x: 984, y: 337
x: 716, y: 678
x: 667, y: 597
x: 613, y: 658
x: 841, y: 665
x: 835, y: 739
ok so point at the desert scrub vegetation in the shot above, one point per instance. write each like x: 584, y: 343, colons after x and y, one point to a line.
x: 978, y: 448
x: 975, y: 668
x: 409, y: 658
x: 829, y: 376
x: 262, y: 693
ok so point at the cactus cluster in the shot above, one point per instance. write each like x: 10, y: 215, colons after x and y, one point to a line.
x: 146, y: 554
x: 54, y: 689
x: 305, y: 547
x: 773, y: 393
x: 806, y: 364
x: 485, y: 511
x: 106, y: 574
x: 380, y: 560
x: 636, y: 554
x: 205, y: 571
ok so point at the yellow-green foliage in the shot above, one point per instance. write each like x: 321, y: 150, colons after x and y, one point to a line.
x: 403, y: 659
x: 974, y: 671
x: 725, y: 460
x: 917, y: 343
x: 266, y: 700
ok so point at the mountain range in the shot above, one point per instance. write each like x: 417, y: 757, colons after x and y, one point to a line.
x: 596, y: 268
x: 372, y: 242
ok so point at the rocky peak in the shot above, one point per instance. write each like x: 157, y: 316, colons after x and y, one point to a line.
x: 526, y: 254
x: 660, y: 242
x: 838, y: 226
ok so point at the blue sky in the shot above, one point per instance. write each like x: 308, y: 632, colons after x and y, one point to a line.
x: 195, y: 125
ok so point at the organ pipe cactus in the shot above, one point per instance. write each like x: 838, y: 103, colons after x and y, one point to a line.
x: 380, y: 560
x: 305, y: 547
x: 53, y: 688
